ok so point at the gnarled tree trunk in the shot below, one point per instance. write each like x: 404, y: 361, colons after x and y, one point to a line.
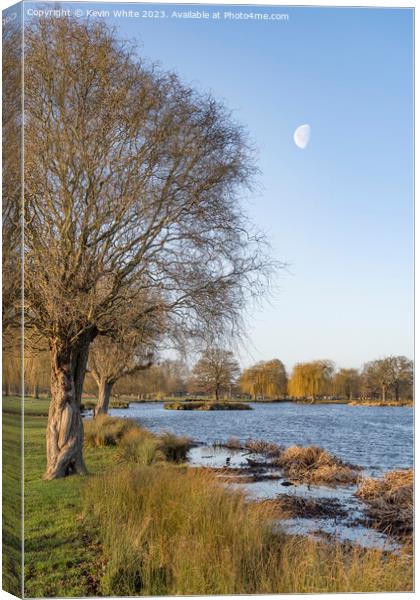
x: 65, y: 427
x: 104, y: 395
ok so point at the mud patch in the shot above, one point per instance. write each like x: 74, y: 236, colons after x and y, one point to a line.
x: 307, y: 508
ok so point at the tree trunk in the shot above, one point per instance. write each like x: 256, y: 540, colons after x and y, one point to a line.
x: 217, y: 393
x: 384, y: 393
x: 36, y: 392
x: 65, y: 427
x: 104, y: 395
x: 397, y: 392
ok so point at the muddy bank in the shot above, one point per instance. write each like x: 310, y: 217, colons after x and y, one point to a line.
x: 310, y: 491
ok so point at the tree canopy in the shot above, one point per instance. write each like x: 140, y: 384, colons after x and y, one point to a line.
x: 131, y: 190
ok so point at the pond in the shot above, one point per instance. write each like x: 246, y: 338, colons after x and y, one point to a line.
x: 378, y: 439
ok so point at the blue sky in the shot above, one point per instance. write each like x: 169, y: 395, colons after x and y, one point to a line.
x: 339, y: 212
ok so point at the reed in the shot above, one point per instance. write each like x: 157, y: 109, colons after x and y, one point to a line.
x: 389, y: 501
x: 172, y: 531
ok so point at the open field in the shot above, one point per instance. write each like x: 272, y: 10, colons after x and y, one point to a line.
x: 81, y: 534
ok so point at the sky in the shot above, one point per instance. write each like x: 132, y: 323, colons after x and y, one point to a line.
x: 339, y: 212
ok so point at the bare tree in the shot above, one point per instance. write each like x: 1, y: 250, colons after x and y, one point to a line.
x: 216, y: 371
x: 386, y: 374
x: 12, y: 120
x: 110, y: 361
x: 131, y: 185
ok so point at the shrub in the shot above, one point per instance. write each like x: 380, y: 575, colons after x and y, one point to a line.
x: 171, y: 532
x: 106, y: 431
x: 390, y: 501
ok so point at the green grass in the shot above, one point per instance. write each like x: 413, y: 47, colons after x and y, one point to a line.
x: 12, y: 405
x: 60, y: 556
x: 12, y: 502
x: 165, y: 528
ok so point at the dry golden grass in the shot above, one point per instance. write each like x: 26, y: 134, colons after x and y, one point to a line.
x: 135, y: 445
x: 390, y: 501
x: 315, y: 465
x: 174, y: 447
x: 268, y: 449
x: 104, y: 430
x: 140, y: 447
x: 172, y: 531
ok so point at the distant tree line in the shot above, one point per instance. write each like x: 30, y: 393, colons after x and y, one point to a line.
x: 217, y: 374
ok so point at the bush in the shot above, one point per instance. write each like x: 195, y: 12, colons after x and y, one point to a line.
x: 171, y: 532
x: 106, y: 431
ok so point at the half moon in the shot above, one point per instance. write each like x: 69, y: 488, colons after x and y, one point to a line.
x: 302, y: 136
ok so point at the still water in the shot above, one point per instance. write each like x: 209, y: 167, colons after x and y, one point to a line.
x: 376, y: 438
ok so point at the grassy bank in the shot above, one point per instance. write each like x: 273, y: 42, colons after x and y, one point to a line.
x: 151, y: 526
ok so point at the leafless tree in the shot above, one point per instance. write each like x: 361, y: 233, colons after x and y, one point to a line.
x: 216, y: 370
x: 131, y: 186
x: 12, y: 120
x: 347, y: 383
x: 110, y: 361
x: 386, y: 374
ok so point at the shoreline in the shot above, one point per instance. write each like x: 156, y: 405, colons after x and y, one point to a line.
x: 64, y: 524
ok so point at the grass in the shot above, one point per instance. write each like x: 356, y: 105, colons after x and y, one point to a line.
x: 106, y: 431
x: 197, y: 405
x: 314, y: 465
x: 267, y: 449
x: 61, y: 558
x: 171, y: 532
x: 390, y: 501
x: 135, y: 445
x: 167, y: 527
x: 12, y: 498
x: 174, y: 447
x: 380, y: 403
x: 139, y: 448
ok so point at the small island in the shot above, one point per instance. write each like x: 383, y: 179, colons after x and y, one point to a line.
x: 206, y: 405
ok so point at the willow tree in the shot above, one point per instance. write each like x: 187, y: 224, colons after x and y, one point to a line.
x: 311, y: 379
x: 131, y: 184
x: 267, y: 379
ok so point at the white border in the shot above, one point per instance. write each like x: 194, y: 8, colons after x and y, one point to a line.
x: 382, y: 4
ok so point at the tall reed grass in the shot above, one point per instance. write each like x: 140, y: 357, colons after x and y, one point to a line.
x: 171, y: 530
